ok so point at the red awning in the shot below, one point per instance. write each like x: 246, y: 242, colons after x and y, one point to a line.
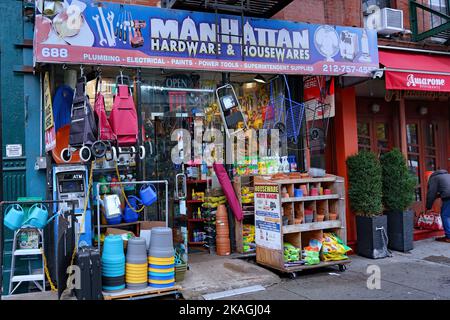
x: 415, y: 71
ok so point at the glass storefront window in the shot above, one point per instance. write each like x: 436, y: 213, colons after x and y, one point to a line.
x: 412, y: 134
x: 429, y: 135
x: 363, y: 129
x: 363, y: 136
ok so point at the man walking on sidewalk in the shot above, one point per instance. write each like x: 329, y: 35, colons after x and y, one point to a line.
x: 439, y: 186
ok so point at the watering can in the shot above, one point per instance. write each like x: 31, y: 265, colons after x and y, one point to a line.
x: 14, y: 217
x: 111, y: 203
x: 37, y: 216
x: 148, y: 194
x: 129, y: 214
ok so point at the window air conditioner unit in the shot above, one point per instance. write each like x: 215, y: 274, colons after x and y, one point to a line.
x: 386, y: 21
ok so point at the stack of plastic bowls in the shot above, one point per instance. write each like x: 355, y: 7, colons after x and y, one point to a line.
x: 113, y: 264
x: 161, y: 260
x: 136, y: 266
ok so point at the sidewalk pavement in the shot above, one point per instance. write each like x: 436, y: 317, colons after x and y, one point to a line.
x: 424, y: 273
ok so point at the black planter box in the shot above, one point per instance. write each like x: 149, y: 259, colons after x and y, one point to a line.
x: 400, y: 230
x: 370, y: 238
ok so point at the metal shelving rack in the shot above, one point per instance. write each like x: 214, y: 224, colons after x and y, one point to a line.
x: 100, y: 184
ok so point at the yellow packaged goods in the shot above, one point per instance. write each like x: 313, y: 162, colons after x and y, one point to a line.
x: 333, y: 248
x: 214, y: 201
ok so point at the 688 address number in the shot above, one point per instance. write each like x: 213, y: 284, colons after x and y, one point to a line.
x: 54, y: 53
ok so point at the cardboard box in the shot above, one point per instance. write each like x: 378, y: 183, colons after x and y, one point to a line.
x: 126, y: 234
x: 146, y: 230
x: 148, y: 225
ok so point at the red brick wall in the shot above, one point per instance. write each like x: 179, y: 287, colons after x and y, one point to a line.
x: 403, y: 5
x: 311, y: 11
x: 335, y: 12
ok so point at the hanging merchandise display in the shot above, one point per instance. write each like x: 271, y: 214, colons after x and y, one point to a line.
x: 148, y: 194
x: 132, y: 208
x: 320, y: 109
x: 231, y: 110
x: 283, y: 113
x: 50, y: 130
x: 83, y: 127
x: 62, y: 105
x: 123, y: 120
x: 105, y: 132
x: 14, y: 217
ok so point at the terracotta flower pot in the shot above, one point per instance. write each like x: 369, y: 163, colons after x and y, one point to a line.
x: 222, y: 232
x: 333, y: 216
x: 320, y: 217
x: 221, y: 212
x: 223, y: 247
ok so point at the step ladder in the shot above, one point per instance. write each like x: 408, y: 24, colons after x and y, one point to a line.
x: 36, y: 278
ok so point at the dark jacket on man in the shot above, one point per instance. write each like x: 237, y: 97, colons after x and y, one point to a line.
x: 438, y: 185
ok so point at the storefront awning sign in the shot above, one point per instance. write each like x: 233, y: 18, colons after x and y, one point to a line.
x: 416, y: 72
x: 104, y: 33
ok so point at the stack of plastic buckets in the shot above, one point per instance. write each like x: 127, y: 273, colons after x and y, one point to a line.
x: 136, y: 266
x: 161, y: 260
x: 113, y: 264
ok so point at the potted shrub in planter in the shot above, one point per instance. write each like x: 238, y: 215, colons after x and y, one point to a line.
x: 365, y: 194
x: 398, y: 194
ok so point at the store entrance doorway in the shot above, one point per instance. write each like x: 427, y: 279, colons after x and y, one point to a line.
x: 423, y: 155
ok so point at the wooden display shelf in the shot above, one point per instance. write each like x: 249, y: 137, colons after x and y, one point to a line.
x: 148, y: 292
x: 195, y: 201
x: 125, y: 224
x: 195, y: 181
x: 197, y: 220
x: 326, y: 178
x: 271, y: 208
x: 196, y: 243
x: 322, y: 264
x: 310, y: 198
x: 332, y: 224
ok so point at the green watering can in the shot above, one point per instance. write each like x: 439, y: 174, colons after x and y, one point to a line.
x: 14, y: 217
